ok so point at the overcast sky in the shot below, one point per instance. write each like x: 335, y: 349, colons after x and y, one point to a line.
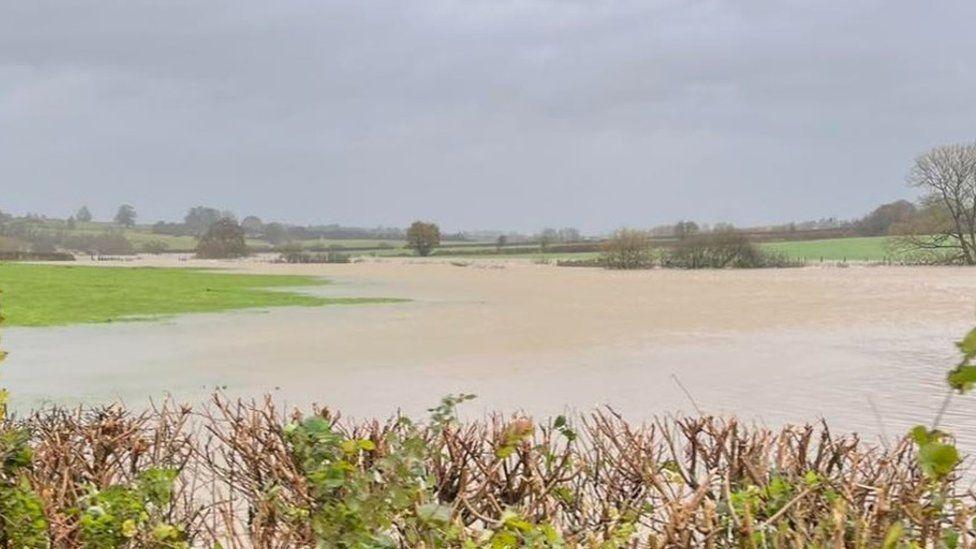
x: 491, y: 114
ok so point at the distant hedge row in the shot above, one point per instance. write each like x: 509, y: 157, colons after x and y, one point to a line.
x: 35, y: 256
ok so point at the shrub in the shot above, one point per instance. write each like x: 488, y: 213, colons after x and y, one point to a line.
x: 224, y: 239
x: 628, y: 249
x: 723, y: 249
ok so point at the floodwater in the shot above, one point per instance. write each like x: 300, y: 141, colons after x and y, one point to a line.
x: 866, y: 348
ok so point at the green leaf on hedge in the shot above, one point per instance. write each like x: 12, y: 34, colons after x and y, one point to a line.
x: 963, y: 378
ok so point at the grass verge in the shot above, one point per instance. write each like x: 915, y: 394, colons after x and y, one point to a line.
x: 54, y: 295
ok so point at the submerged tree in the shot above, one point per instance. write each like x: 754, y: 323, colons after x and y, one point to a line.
x: 423, y: 237
x: 947, y: 222
x: 224, y: 239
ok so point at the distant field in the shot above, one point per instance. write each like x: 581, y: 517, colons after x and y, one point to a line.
x: 869, y: 248
x: 49, y: 295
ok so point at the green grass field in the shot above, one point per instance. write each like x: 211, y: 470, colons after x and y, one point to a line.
x: 868, y: 248
x: 52, y: 295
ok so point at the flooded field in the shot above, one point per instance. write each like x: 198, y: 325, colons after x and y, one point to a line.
x: 864, y: 347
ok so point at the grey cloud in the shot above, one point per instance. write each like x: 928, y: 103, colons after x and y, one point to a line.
x: 513, y: 114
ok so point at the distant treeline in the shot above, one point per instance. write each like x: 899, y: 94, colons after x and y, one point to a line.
x: 39, y: 234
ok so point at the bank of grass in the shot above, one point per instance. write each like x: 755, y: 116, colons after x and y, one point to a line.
x: 54, y: 295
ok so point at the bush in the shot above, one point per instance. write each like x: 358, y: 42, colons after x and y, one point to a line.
x: 720, y: 250
x: 628, y: 249
x: 224, y: 239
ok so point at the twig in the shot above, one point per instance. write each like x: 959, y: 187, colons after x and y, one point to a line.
x: 687, y: 394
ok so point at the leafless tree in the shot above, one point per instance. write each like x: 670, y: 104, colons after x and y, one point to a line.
x: 948, y: 176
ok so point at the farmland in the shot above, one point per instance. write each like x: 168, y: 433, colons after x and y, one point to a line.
x: 868, y: 248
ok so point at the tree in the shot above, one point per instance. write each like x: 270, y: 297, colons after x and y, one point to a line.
x: 684, y: 229
x: 568, y: 234
x: 224, y: 239
x: 276, y: 234
x: 501, y: 242
x: 125, y: 216
x: 423, y: 237
x: 252, y: 225
x: 628, y: 249
x: 719, y: 249
x: 947, y: 174
x: 880, y: 221
x: 546, y: 238
x: 199, y: 219
x: 83, y: 215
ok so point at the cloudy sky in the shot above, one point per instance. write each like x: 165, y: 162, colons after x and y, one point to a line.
x: 478, y: 114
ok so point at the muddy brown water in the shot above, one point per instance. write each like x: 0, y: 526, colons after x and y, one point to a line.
x: 865, y: 348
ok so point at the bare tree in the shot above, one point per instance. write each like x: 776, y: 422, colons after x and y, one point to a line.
x: 948, y: 175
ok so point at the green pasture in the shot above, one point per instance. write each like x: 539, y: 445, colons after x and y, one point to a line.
x: 868, y: 248
x: 51, y: 295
